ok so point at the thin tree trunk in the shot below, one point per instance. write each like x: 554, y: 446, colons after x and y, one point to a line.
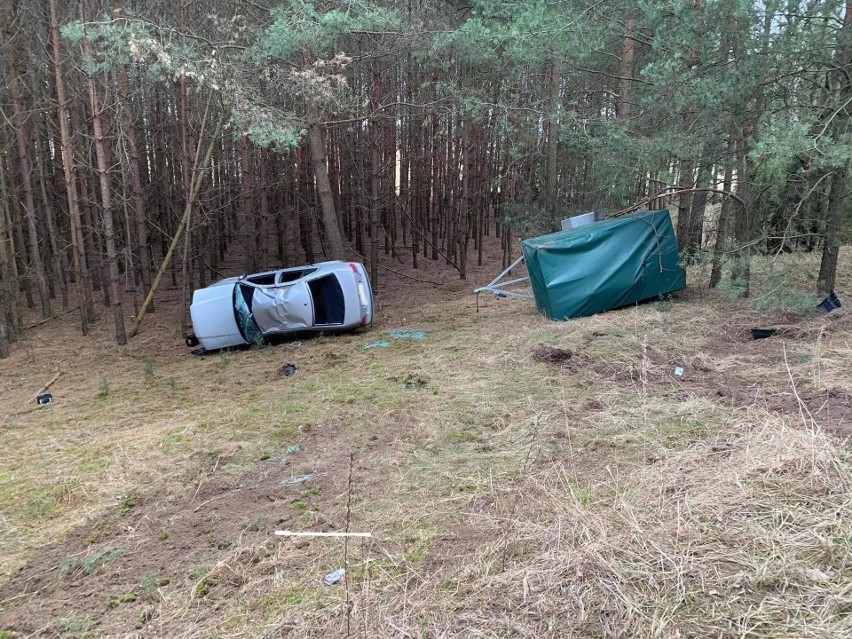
x: 622, y: 107
x: 8, y: 277
x: 24, y: 163
x: 337, y: 247
x: 143, y: 262
x: 552, y: 141
x: 831, y: 245
x: 106, y: 201
x: 741, y: 270
x: 375, y: 168
x: 723, y: 227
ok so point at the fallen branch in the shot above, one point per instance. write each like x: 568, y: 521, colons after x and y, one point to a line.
x: 48, y: 385
x: 52, y: 317
x: 183, y: 220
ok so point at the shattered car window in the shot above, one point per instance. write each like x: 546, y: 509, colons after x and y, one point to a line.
x: 242, y: 301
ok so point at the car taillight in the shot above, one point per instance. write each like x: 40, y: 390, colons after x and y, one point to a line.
x: 354, y: 267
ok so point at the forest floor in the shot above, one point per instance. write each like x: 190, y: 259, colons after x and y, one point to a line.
x: 520, y: 477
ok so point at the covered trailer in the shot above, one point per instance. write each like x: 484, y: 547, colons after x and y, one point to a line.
x: 604, y: 265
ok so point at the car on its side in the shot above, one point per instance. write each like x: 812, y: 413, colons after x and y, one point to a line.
x: 325, y: 297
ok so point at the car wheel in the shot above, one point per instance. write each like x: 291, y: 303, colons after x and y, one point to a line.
x: 191, y: 340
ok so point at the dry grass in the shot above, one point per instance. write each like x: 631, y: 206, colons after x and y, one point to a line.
x: 603, y: 497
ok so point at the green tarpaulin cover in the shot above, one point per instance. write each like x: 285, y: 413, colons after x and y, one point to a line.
x: 604, y: 265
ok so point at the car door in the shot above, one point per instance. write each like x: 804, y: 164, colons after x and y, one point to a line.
x: 282, y: 308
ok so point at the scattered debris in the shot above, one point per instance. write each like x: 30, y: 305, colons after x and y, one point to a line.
x: 288, y: 370
x: 412, y: 380
x: 44, y: 398
x: 377, y: 345
x: 678, y: 371
x: 290, y: 533
x: 830, y: 303
x: 415, y: 381
x: 818, y: 576
x: 298, y: 479
x: 294, y: 449
x: 334, y: 577
x: 200, y: 352
x: 552, y: 355
x: 397, y: 334
x: 763, y: 333
x: 43, y: 389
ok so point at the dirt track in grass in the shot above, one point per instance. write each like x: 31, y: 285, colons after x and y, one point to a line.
x: 143, y: 501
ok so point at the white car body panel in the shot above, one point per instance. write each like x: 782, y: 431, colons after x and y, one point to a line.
x: 212, y: 313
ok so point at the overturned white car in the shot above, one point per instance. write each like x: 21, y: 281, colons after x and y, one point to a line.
x: 326, y: 297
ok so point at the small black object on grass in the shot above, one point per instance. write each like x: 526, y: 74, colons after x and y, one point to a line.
x: 200, y: 352
x: 763, y: 333
x: 288, y: 370
x: 44, y: 398
x: 830, y: 303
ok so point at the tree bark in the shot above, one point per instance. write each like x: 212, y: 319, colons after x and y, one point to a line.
x: 24, y: 163
x: 831, y: 246
x: 143, y: 262
x: 723, y: 226
x: 552, y: 142
x: 375, y: 177
x: 831, y: 243
x: 622, y: 106
x: 106, y: 202
x: 337, y: 247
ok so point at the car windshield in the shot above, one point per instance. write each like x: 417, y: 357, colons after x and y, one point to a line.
x: 328, y: 300
x: 243, y: 296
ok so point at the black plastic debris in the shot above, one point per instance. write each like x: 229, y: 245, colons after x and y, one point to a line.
x: 829, y: 304
x: 288, y: 370
x: 200, y: 352
x: 44, y: 398
x: 763, y: 333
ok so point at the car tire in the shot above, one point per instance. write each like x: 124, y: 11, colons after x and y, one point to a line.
x: 191, y: 340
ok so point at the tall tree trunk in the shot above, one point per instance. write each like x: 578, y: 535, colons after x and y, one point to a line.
x: 831, y: 246
x: 144, y: 261
x: 337, y: 248
x: 622, y: 107
x: 57, y: 256
x: 552, y: 142
x: 247, y: 231
x: 24, y: 163
x: 106, y: 201
x: 724, y: 224
x: 375, y: 177
x: 8, y: 276
x: 831, y: 243
x: 687, y: 181
x: 695, y: 228
x: 741, y: 270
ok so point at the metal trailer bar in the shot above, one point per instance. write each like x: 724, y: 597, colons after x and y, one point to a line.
x: 497, y: 287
